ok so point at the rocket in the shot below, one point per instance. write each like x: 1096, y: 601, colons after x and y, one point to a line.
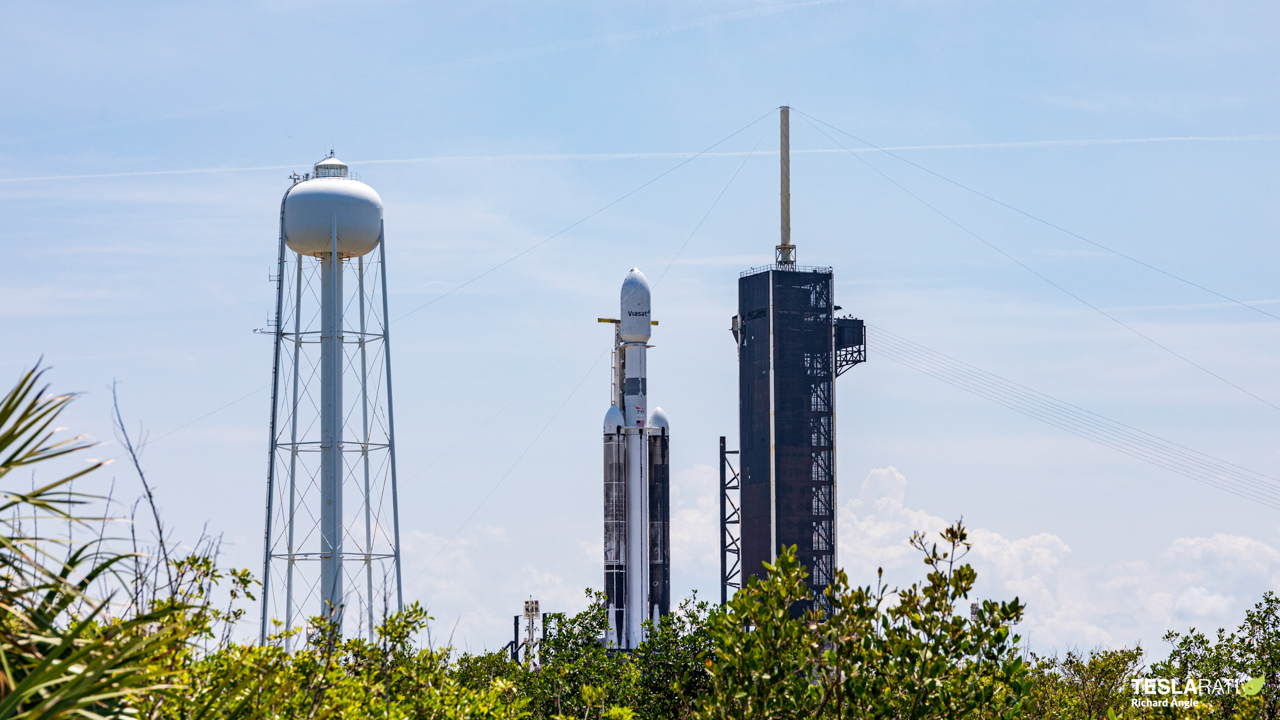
x: 637, y: 568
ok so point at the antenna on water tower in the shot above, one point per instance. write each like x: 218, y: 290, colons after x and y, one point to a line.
x: 332, y: 527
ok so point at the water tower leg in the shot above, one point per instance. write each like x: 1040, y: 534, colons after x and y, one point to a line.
x: 364, y: 453
x: 290, y: 547
x: 391, y: 420
x: 331, y: 466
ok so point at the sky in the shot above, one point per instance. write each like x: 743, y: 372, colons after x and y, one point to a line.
x: 144, y: 149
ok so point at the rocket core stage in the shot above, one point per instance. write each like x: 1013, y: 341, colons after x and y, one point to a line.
x: 637, y: 567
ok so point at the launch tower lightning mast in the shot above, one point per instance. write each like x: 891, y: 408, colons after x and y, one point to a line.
x: 332, y: 541
x: 791, y: 348
x: 637, y: 537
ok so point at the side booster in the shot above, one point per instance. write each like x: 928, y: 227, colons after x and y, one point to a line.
x: 637, y: 537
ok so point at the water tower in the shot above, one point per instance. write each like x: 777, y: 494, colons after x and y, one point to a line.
x: 332, y: 546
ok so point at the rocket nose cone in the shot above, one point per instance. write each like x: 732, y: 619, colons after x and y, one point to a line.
x: 635, y: 287
x: 635, y: 307
x: 659, y: 419
x: 613, y: 419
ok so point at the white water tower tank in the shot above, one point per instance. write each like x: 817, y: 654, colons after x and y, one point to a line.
x: 312, y: 206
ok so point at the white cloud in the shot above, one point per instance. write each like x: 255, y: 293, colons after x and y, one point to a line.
x: 695, y: 522
x: 875, y: 527
x: 1197, y: 603
x: 1205, y: 582
x: 471, y: 602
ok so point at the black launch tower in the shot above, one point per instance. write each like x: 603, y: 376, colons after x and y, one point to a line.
x: 791, y: 348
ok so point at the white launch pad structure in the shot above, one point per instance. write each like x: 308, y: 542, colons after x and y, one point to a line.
x: 332, y: 541
x: 636, y: 480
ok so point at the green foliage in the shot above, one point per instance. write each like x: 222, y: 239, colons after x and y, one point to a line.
x: 143, y: 651
x: 479, y: 671
x: 760, y: 668
x: 671, y: 663
x: 61, y: 652
x: 1259, y: 653
x: 864, y: 657
x: 1084, y: 686
x: 1196, y: 656
x: 333, y: 678
x: 1098, y: 685
x: 1251, y: 652
x: 578, y: 676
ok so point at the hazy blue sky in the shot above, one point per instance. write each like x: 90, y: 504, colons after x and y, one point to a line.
x: 145, y: 147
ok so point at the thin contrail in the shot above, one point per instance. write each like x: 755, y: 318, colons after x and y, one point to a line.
x: 1050, y: 143
x: 679, y: 155
x: 601, y: 157
x: 141, y: 173
x: 696, y: 24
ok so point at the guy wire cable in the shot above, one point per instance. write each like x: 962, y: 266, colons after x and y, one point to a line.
x: 512, y: 468
x: 528, y: 447
x: 1031, y: 270
x: 494, y: 416
x: 713, y: 207
x: 523, y: 252
x: 549, y: 238
x: 530, y: 386
x: 1150, y: 452
x: 1024, y: 213
x: 1073, y: 412
x: 1253, y: 491
x: 193, y: 422
x: 1053, y: 411
x: 1141, y: 445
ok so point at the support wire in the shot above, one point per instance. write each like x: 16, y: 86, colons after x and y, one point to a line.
x: 1041, y: 220
x: 1031, y: 270
x: 1171, y: 456
x: 553, y: 236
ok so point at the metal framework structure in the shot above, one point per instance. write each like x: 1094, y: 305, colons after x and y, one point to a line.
x: 332, y: 504
x: 730, y: 525
x: 851, y: 343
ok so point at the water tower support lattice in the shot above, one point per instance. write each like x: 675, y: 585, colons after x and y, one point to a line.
x: 332, y: 541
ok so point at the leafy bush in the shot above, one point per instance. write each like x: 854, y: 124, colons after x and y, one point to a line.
x: 61, y: 651
x: 866, y: 657
x: 1083, y: 686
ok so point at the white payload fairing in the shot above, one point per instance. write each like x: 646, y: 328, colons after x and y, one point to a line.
x: 637, y: 572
